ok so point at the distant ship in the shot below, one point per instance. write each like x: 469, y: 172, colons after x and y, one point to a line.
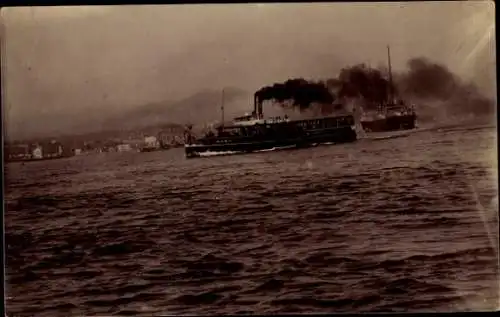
x: 392, y: 115
x: 253, y: 133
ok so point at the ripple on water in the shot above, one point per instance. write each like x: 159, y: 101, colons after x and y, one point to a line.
x: 330, y: 229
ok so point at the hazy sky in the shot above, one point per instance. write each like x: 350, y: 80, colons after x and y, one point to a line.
x: 68, y: 64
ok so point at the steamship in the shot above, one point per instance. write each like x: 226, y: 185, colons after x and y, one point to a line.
x: 392, y: 115
x: 253, y: 133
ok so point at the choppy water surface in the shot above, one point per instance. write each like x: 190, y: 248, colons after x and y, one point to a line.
x: 403, y: 224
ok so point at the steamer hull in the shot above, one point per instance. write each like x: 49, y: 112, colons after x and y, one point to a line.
x: 394, y: 123
x: 295, y: 134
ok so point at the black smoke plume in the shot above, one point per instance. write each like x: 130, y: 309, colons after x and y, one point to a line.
x: 369, y: 83
x: 423, y: 83
x: 300, y: 91
x: 360, y: 81
x: 352, y: 82
x: 428, y: 80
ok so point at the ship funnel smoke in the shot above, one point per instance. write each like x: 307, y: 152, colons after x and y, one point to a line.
x: 300, y: 92
x: 435, y: 91
x: 357, y: 81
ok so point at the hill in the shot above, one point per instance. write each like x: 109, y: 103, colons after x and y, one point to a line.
x: 204, y: 106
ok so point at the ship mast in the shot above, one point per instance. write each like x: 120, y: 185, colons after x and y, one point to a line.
x: 222, y: 107
x: 391, y: 93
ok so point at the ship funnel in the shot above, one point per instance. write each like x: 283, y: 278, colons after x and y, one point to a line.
x: 254, y: 104
x: 257, y: 106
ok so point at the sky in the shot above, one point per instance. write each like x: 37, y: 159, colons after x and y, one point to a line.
x: 64, y: 66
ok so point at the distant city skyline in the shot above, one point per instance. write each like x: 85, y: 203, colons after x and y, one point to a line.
x: 67, y: 68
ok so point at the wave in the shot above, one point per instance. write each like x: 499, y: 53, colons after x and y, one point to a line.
x: 356, y: 228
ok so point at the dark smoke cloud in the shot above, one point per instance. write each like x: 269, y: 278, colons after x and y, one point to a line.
x: 360, y: 81
x: 423, y: 83
x: 426, y: 81
x: 300, y: 91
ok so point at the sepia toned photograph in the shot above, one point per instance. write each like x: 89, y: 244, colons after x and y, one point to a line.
x: 279, y: 158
